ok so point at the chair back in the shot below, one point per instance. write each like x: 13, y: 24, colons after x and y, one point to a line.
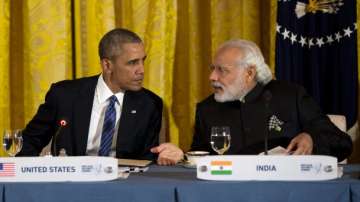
x: 340, y: 122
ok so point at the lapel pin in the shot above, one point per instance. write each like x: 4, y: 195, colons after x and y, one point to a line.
x: 133, y: 111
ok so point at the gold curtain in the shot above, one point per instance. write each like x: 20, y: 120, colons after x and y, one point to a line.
x: 44, y: 40
x: 92, y: 19
x: 4, y: 65
x: 155, y: 21
x: 38, y: 54
x: 46, y: 50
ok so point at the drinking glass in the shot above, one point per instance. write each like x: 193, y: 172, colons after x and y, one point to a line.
x: 12, y: 141
x: 220, y: 139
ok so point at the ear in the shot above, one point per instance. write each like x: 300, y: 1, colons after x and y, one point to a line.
x: 251, y: 73
x: 106, y: 65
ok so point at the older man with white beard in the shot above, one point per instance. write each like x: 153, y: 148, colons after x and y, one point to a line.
x: 253, y: 105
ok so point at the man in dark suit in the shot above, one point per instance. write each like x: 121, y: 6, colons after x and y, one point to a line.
x: 255, y: 107
x: 107, y: 115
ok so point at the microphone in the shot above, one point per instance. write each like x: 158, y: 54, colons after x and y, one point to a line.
x: 267, y: 98
x: 62, y: 124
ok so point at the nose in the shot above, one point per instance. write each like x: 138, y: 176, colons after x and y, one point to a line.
x: 213, y: 76
x: 140, y: 69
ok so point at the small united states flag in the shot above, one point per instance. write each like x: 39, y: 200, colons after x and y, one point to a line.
x: 7, y: 169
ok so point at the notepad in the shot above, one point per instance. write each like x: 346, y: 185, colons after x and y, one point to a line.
x: 133, y: 162
x: 276, y: 151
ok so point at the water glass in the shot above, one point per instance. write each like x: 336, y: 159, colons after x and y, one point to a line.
x: 12, y: 141
x: 220, y: 139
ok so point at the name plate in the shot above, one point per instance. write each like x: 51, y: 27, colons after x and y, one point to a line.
x: 274, y: 168
x: 58, y: 169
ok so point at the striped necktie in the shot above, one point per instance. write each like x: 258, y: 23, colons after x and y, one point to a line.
x: 108, y: 127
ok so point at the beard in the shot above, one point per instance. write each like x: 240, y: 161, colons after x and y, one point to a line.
x: 234, y: 91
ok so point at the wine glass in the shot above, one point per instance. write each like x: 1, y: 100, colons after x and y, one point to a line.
x: 12, y: 141
x: 220, y: 139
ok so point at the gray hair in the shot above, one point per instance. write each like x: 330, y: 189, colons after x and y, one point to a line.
x: 252, y: 57
x: 111, y: 43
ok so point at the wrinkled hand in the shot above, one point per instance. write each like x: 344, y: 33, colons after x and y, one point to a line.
x: 169, y: 154
x: 302, y: 144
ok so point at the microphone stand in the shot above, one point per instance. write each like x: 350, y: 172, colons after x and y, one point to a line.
x: 267, y: 97
x: 62, y: 124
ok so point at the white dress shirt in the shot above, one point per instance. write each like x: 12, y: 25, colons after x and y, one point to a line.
x: 102, y: 93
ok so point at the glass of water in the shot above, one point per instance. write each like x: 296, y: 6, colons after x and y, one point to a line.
x: 12, y: 142
x: 220, y: 139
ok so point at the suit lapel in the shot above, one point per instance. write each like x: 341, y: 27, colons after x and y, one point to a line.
x: 82, y: 115
x: 128, y: 119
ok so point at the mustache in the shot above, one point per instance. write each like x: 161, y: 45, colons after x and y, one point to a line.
x: 216, y: 84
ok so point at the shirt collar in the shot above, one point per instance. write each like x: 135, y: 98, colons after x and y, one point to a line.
x: 103, y: 92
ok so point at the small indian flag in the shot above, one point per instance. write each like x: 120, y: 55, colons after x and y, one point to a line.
x: 221, y: 167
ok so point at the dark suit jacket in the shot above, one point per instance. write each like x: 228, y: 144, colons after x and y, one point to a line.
x: 248, y: 121
x: 72, y: 100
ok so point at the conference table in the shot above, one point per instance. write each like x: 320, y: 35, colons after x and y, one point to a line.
x: 179, y: 184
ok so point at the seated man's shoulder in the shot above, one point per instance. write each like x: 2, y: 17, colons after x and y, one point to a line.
x: 208, y: 101
x: 148, y: 95
x: 283, y: 86
x: 74, y: 83
x: 67, y: 89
